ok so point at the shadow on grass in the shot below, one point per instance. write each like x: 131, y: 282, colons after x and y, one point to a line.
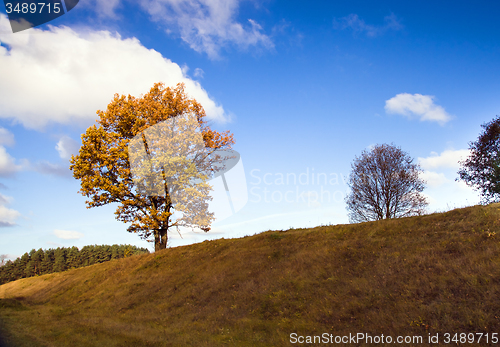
x: 11, y: 332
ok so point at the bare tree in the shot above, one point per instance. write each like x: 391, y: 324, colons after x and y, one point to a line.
x: 384, y: 184
x: 3, y: 257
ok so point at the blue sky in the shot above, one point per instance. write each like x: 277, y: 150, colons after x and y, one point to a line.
x: 304, y: 88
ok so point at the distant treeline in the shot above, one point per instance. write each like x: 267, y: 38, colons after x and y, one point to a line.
x: 56, y: 260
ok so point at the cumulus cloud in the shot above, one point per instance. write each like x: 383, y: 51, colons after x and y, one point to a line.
x: 59, y: 75
x: 4, y: 199
x: 52, y: 169
x: 8, y: 164
x: 67, y: 147
x: 445, y: 195
x: 417, y: 105
x: 207, y: 25
x: 358, y: 25
x: 68, y: 234
x: 7, y: 216
x: 434, y: 179
x: 6, y: 137
x: 447, y: 159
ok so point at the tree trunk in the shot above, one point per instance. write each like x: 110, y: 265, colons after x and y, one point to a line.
x: 160, y: 239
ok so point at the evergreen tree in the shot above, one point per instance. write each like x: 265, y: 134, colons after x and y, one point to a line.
x: 115, y: 253
x: 73, y: 259
x: 29, y: 271
x: 21, y: 266
x: 60, y: 260
x: 106, y: 254
x: 39, y: 262
x: 37, y: 259
x: 85, y: 256
x: 6, y: 272
x: 15, y: 273
x: 47, y: 262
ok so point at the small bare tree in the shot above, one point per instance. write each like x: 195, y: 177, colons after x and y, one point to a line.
x: 3, y: 258
x: 384, y: 184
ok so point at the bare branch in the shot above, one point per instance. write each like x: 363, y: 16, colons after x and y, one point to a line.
x: 384, y: 184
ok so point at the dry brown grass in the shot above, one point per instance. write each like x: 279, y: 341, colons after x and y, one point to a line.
x: 414, y: 276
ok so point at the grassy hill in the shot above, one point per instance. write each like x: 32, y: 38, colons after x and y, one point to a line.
x: 432, y: 274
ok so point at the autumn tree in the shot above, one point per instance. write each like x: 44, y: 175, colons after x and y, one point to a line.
x: 482, y: 168
x: 146, y: 197
x: 384, y: 184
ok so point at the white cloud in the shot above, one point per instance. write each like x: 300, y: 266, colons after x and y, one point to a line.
x: 198, y: 72
x: 451, y: 194
x: 417, y: 105
x: 68, y: 234
x: 7, y: 216
x: 357, y: 24
x: 66, y: 147
x: 6, y: 137
x: 447, y: 159
x: 4, y: 200
x: 207, y: 25
x: 8, y: 165
x: 103, y: 8
x: 52, y: 169
x: 440, y: 174
x: 434, y: 179
x: 59, y: 75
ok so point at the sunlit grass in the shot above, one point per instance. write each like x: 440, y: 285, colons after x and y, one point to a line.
x: 413, y: 276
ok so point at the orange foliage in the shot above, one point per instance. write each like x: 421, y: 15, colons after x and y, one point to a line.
x: 103, y: 167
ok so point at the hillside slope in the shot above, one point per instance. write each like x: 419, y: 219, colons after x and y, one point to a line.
x: 432, y: 274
